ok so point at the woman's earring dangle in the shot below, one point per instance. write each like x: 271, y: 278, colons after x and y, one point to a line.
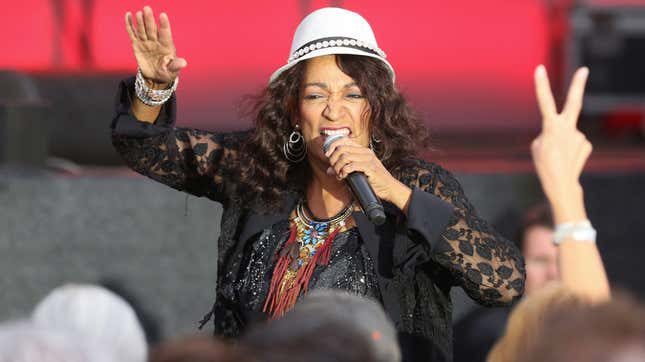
x: 373, y: 142
x: 295, y: 149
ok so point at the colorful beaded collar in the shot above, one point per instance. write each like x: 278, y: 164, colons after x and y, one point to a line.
x: 309, y: 244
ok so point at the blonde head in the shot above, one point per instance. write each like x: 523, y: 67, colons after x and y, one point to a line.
x: 528, y: 320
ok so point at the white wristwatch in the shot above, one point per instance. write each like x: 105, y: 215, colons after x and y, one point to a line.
x: 579, y: 231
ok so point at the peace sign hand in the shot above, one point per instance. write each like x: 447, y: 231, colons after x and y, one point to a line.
x: 153, y: 47
x: 561, y: 150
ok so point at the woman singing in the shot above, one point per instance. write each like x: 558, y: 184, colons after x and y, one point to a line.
x: 290, y: 223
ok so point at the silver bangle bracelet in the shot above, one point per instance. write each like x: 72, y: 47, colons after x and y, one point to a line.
x: 152, y: 97
x: 578, y: 231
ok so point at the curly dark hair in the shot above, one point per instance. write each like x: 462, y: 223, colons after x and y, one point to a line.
x: 263, y: 172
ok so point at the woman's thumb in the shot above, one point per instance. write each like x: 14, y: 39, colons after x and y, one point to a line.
x: 177, y: 64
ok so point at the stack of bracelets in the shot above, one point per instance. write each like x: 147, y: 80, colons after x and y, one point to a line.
x: 152, y: 97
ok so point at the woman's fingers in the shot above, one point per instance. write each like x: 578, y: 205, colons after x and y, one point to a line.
x: 149, y: 23
x: 345, y: 149
x: 343, y: 141
x: 352, y: 167
x: 544, y: 94
x: 129, y: 27
x: 583, y: 154
x: 165, y: 34
x: 573, y: 105
x: 336, y: 144
x: 141, y: 30
x: 343, y: 172
x: 347, y: 159
x: 146, y: 27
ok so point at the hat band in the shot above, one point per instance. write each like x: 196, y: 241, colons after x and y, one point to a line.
x: 336, y: 41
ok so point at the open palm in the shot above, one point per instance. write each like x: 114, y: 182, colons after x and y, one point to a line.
x: 153, y: 46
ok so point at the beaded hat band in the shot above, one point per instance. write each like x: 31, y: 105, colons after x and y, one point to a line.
x: 336, y: 42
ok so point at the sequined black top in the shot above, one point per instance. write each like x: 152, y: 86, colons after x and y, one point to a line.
x: 350, y: 268
x: 418, y: 257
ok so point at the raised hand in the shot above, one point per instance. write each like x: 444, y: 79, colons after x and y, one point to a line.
x: 561, y: 150
x: 153, y: 47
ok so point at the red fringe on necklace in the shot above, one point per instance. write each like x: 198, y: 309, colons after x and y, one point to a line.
x: 281, y: 299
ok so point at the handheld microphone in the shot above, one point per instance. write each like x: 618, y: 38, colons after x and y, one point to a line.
x: 361, y: 189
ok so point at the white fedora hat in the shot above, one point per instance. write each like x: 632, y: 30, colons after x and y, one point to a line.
x: 332, y: 31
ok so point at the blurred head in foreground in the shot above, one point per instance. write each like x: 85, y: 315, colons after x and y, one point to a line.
x: 197, y: 349
x: 529, y: 319
x: 327, y: 325
x: 98, y: 315
x: 24, y: 342
x: 608, y: 332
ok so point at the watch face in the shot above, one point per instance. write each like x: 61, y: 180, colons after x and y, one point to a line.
x: 582, y: 231
x: 584, y: 234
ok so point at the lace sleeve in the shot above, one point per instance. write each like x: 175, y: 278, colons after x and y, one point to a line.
x: 487, y: 266
x: 185, y: 159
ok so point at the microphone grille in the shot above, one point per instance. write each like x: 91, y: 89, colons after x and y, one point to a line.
x: 329, y: 140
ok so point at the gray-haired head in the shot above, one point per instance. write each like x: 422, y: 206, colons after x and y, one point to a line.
x: 97, y: 314
x: 357, y: 327
x: 22, y: 341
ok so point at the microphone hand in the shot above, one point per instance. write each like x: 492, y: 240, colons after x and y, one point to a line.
x: 352, y: 162
x: 347, y: 156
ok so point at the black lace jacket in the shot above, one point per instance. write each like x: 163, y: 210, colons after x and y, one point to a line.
x: 418, y: 258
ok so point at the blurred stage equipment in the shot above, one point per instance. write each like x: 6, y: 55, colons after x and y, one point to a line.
x: 610, y: 39
x: 24, y: 130
x: 82, y: 106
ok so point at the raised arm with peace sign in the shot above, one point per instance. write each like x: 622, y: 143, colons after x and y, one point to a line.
x: 559, y: 153
x: 561, y: 150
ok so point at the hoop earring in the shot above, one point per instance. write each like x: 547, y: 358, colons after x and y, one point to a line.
x: 374, y: 140
x: 295, y: 149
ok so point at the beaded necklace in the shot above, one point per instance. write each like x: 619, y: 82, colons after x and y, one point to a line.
x: 309, y: 244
